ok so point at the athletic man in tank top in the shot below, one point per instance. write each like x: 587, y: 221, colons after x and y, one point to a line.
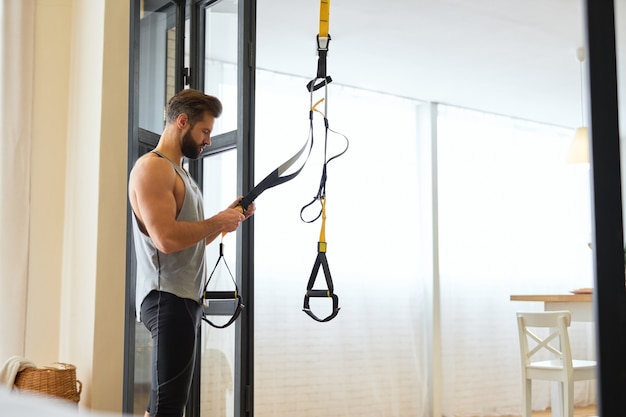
x: 170, y: 234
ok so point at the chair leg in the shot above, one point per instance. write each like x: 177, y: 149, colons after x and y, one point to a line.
x: 526, y: 399
x: 568, y: 399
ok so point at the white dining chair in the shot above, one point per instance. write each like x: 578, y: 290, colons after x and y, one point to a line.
x: 546, y: 355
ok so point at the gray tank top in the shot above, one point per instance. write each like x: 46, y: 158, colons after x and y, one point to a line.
x: 181, y: 273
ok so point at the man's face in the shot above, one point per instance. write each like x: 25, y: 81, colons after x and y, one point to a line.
x: 197, y: 137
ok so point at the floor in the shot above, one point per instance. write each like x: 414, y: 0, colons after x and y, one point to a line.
x: 578, y: 412
x: 589, y: 411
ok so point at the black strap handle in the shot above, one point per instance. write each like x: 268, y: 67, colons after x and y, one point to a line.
x: 321, y: 261
x: 222, y: 295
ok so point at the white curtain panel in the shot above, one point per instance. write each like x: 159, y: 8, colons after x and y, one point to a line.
x: 370, y: 359
x: 16, y: 69
x: 514, y: 218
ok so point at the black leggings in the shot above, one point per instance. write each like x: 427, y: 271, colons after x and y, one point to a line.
x: 174, y: 323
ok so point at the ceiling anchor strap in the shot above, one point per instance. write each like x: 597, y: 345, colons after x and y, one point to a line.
x: 323, y: 40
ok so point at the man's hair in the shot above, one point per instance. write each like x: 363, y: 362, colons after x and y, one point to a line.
x: 194, y: 104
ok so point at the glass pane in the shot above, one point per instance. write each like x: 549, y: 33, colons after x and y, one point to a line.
x: 156, y: 84
x: 218, y: 345
x: 620, y: 42
x: 346, y: 366
x: 170, y: 87
x: 514, y: 218
x: 221, y: 61
x: 156, y: 66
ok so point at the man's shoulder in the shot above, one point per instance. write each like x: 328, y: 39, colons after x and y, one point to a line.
x: 152, y: 166
x: 151, y: 161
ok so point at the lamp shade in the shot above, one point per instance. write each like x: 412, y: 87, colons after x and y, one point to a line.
x: 579, y: 149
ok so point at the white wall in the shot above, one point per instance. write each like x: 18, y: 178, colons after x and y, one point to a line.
x: 48, y: 159
x: 16, y: 72
x: 78, y: 203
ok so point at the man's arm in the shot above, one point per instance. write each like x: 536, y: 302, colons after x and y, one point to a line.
x: 151, y: 192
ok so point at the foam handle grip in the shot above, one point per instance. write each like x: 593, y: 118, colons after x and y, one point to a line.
x: 318, y: 293
x: 220, y: 295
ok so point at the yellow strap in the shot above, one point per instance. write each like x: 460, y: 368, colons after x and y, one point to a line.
x: 314, y: 108
x: 324, y: 17
x: 323, y: 228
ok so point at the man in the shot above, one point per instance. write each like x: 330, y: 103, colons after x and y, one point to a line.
x: 170, y: 234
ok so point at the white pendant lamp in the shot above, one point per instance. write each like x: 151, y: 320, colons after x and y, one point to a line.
x: 579, y: 149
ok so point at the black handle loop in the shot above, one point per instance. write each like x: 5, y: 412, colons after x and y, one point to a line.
x: 222, y: 295
x: 307, y: 309
x: 321, y: 261
x: 240, y: 307
x: 305, y: 208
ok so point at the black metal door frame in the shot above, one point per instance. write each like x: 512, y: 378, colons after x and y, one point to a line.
x: 609, y: 296
x: 243, y: 140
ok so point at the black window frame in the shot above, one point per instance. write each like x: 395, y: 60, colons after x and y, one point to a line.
x: 142, y: 141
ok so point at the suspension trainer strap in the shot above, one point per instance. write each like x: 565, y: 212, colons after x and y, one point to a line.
x: 222, y: 295
x: 322, y: 262
x: 273, y: 179
x: 276, y: 177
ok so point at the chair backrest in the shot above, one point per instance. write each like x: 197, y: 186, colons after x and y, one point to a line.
x: 554, y: 339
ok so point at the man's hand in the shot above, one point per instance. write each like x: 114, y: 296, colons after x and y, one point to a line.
x: 230, y: 219
x: 248, y: 212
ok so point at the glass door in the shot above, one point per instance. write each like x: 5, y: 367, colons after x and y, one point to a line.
x: 218, y: 71
x: 157, y: 76
x: 223, y: 383
x: 205, y: 45
x: 217, y: 347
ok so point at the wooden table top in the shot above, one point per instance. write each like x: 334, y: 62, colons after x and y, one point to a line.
x: 554, y: 298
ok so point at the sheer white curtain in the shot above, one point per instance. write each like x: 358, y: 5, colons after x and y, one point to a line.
x: 370, y: 360
x: 16, y: 70
x: 513, y: 219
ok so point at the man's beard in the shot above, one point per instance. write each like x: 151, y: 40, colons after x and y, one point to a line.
x: 189, y: 148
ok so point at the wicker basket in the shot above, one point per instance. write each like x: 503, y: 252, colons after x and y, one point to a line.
x: 57, y: 381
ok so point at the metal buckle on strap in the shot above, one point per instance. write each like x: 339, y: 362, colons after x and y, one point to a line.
x: 322, y: 52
